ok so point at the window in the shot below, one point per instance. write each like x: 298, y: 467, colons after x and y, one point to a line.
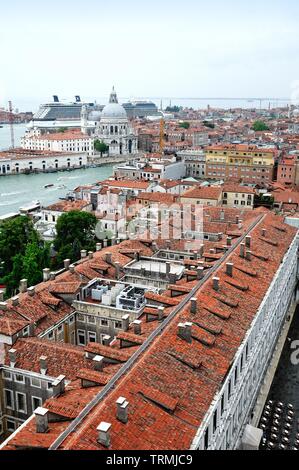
x: 9, y: 401
x: 71, y: 320
x: 91, y: 319
x: 81, y: 317
x: 35, y: 382
x: 19, y: 378
x: 11, y: 425
x: 104, y: 322
x: 81, y: 338
x: 7, y: 375
x: 92, y: 337
x: 21, y: 402
x: 26, y: 332
x: 118, y: 324
x: 50, y: 335
x: 206, y: 439
x: 36, y: 402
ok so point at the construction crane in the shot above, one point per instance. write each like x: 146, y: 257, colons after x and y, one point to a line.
x: 11, y: 120
x: 161, y: 141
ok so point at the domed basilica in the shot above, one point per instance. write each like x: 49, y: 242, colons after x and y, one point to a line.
x: 114, y: 130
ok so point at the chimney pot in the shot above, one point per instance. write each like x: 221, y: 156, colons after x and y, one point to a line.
x: 41, y: 419
x: 122, y: 408
x: 193, y: 308
x: 125, y: 322
x: 216, y: 283
x: 117, y: 269
x: 1, y: 295
x: 108, y: 258
x: 105, y: 243
x: 58, y: 386
x: 43, y: 364
x: 264, y: 231
x: 137, y: 327
x: 184, y: 331
x: 12, y: 357
x: 46, y: 274
x: 160, y: 312
x: 229, y: 241
x: 23, y: 285
x: 201, y: 250
x: 52, y: 276
x: 200, y: 272
x: 98, y: 362
x: 72, y: 268
x: 67, y: 263
x: 106, y: 340
x: 248, y: 241
x: 242, y: 250
x: 83, y: 254
x: 98, y: 246
x: 248, y: 255
x: 31, y: 291
x: 104, y: 433
x: 15, y: 300
x: 90, y: 254
x: 229, y: 269
x: 3, y: 306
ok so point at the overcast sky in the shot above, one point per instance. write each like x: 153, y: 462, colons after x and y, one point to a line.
x: 153, y: 48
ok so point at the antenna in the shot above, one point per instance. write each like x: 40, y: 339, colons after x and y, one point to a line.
x: 11, y: 119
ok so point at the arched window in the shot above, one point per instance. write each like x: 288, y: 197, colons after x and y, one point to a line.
x: 68, y: 162
x: 111, y: 129
x: 44, y: 164
x: 56, y: 163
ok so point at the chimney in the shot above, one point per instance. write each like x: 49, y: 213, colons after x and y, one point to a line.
x: 125, y: 322
x: 106, y: 340
x: 15, y: 300
x: 108, y: 258
x: 122, y: 408
x: 66, y: 263
x: 98, y: 246
x: 200, y: 272
x: 105, y: 243
x: 212, y: 250
x: 98, y: 362
x: 1, y: 295
x: 242, y: 250
x: 58, y: 386
x: 12, y: 357
x: 117, y: 269
x: 46, y: 274
x: 90, y: 254
x: 248, y: 255
x: 23, y: 285
x: 160, y: 312
x: 137, y: 327
x: 43, y: 364
x: 193, y: 308
x: 216, y: 283
x: 222, y: 214
x: 248, y: 241
x: 113, y: 240
x: 229, y: 269
x: 195, y: 254
x: 137, y: 255
x: 184, y: 331
x: 201, y: 250
x: 3, y: 306
x: 104, y: 433
x: 41, y: 419
x: 52, y: 276
x: 72, y: 268
x: 154, y: 246
x: 229, y: 241
x: 83, y: 254
x: 264, y: 231
x: 237, y: 219
x: 31, y: 291
x: 168, y: 266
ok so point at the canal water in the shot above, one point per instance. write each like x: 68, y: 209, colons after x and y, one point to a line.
x: 20, y: 190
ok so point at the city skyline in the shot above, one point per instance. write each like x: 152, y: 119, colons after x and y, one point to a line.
x: 159, y: 50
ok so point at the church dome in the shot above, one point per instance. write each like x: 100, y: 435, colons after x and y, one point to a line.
x: 113, y: 110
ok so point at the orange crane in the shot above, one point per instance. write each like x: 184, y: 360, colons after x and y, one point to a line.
x: 161, y: 141
x: 11, y: 120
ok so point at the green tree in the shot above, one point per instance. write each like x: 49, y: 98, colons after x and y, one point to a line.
x: 209, y: 124
x: 259, y: 126
x: 15, y: 234
x: 62, y: 129
x: 173, y: 109
x: 75, y: 232
x: 100, y: 146
x: 185, y: 125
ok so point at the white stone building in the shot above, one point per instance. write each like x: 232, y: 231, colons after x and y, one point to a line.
x: 70, y: 141
x: 114, y: 129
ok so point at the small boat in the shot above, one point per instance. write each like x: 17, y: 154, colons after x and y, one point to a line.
x: 50, y: 185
